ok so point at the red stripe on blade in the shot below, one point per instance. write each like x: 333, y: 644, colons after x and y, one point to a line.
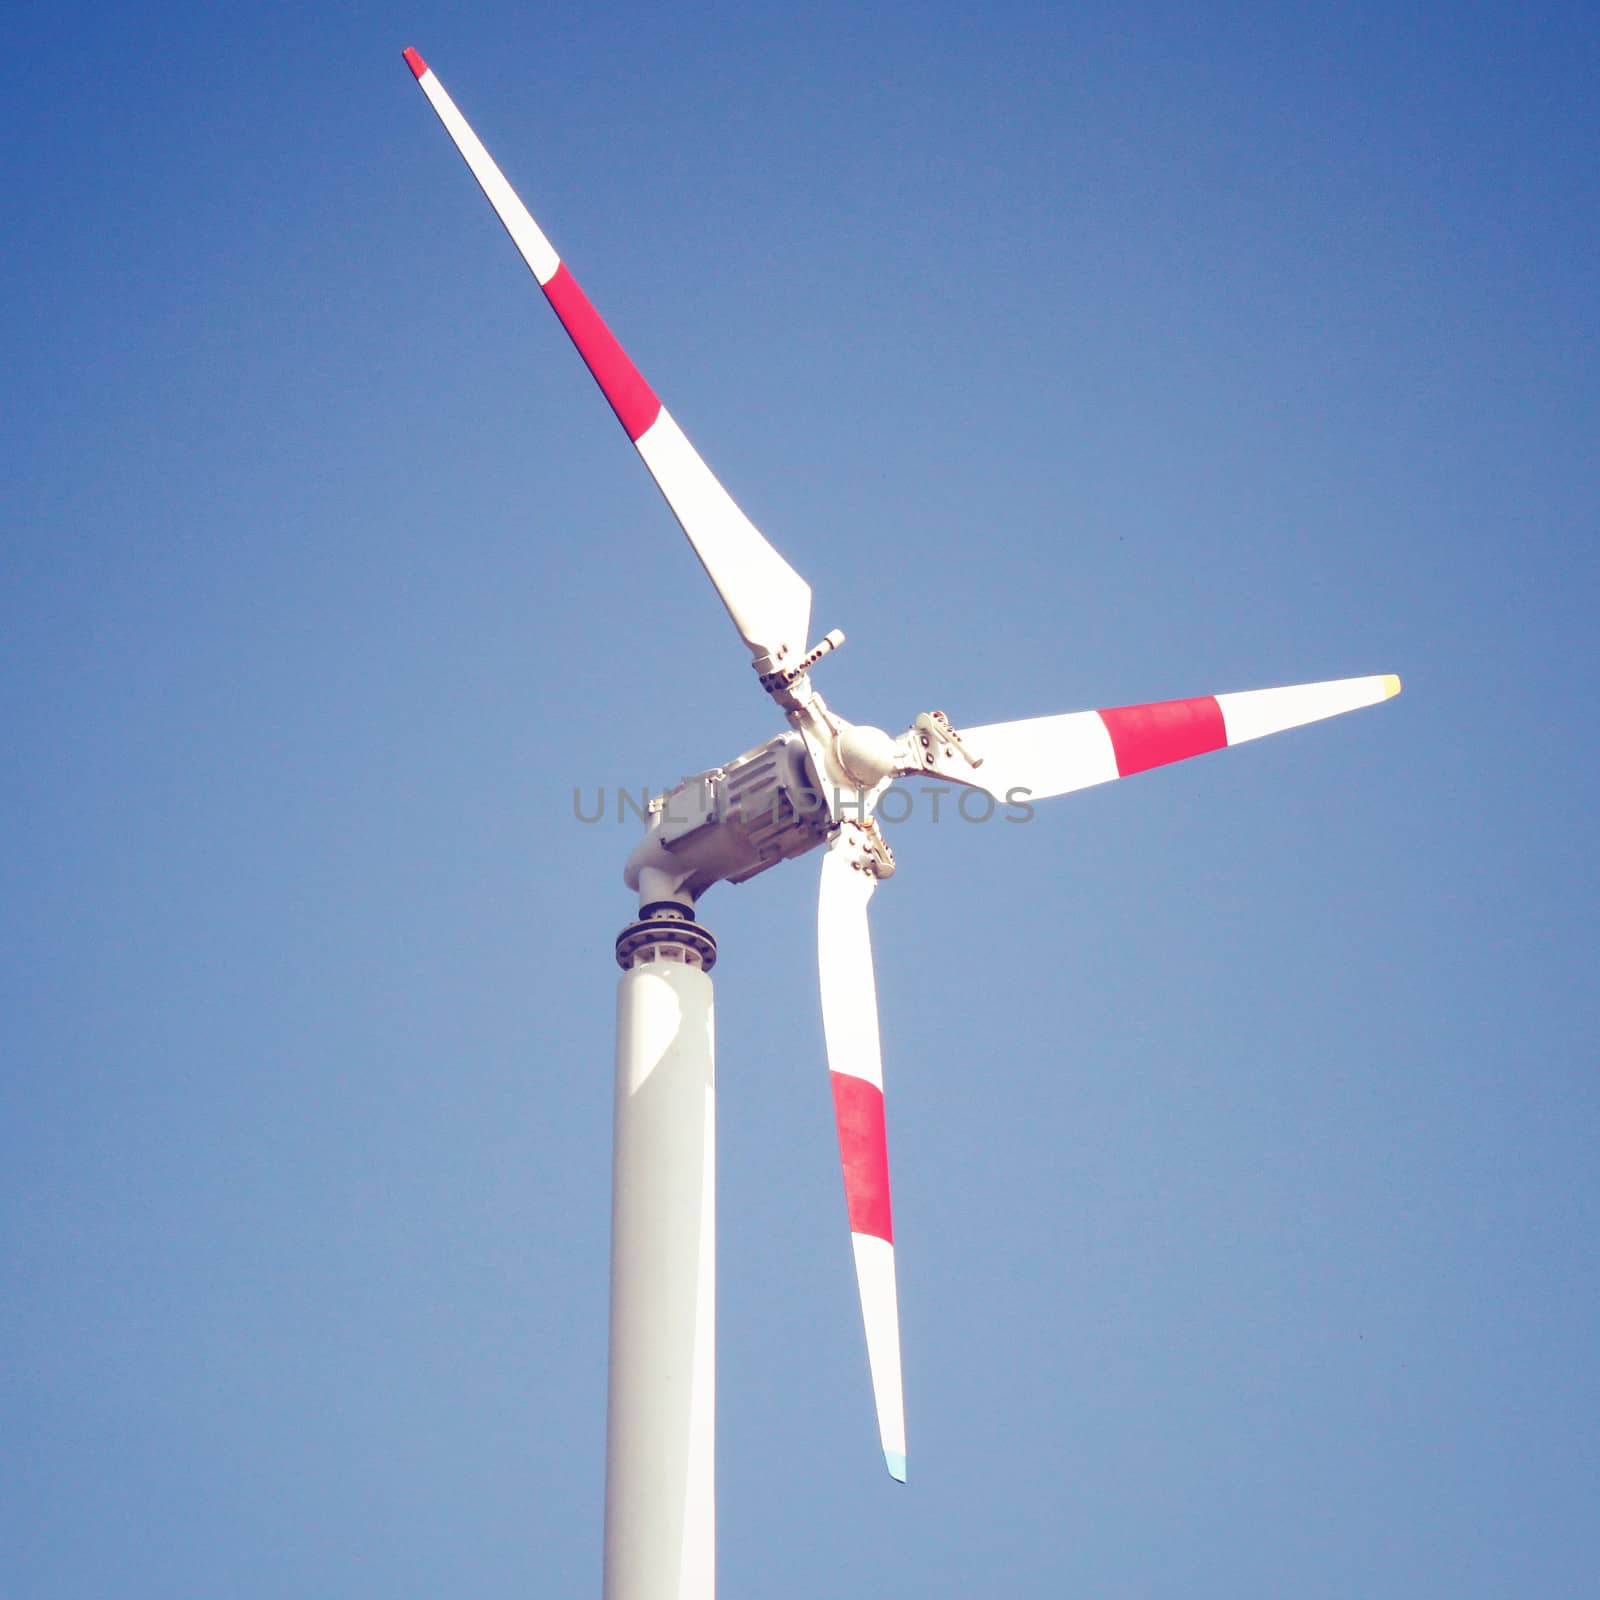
x: 414, y: 61
x: 1170, y: 730
x: 631, y: 397
x: 864, y: 1150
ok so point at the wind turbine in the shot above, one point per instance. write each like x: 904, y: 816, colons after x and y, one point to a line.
x: 816, y: 785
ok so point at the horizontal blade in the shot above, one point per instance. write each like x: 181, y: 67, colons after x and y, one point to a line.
x: 770, y: 603
x: 850, y: 1026
x: 1044, y: 756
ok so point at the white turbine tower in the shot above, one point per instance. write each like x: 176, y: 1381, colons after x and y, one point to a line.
x: 817, y: 784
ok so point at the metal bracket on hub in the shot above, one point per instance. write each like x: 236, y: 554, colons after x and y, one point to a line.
x: 932, y: 745
x: 866, y: 849
x: 785, y: 684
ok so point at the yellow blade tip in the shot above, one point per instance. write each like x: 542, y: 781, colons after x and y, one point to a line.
x: 1391, y: 686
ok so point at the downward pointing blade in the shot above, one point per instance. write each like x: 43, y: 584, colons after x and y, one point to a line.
x: 770, y: 603
x: 850, y: 1026
x: 1044, y: 756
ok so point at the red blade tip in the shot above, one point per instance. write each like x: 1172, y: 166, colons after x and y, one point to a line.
x: 414, y: 61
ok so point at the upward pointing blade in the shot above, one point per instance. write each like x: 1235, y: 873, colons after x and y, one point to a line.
x: 850, y: 1025
x: 770, y: 603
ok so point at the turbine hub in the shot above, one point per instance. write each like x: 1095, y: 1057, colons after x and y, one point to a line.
x: 868, y: 755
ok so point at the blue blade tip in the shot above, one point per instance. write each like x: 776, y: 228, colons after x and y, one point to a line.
x: 896, y: 1464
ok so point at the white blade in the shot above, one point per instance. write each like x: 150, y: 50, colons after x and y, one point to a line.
x: 1044, y: 756
x: 850, y: 1026
x: 768, y: 600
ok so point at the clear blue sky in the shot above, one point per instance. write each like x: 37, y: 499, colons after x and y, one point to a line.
x: 1243, y: 1115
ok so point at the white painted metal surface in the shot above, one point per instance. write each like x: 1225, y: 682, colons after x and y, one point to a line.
x: 1043, y: 755
x: 1047, y: 756
x: 660, y: 1530
x: 1257, y: 712
x: 525, y: 233
x: 855, y: 1065
x: 844, y: 964
x: 769, y: 602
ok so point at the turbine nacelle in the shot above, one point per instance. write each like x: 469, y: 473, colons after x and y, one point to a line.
x: 730, y: 823
x: 777, y: 801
